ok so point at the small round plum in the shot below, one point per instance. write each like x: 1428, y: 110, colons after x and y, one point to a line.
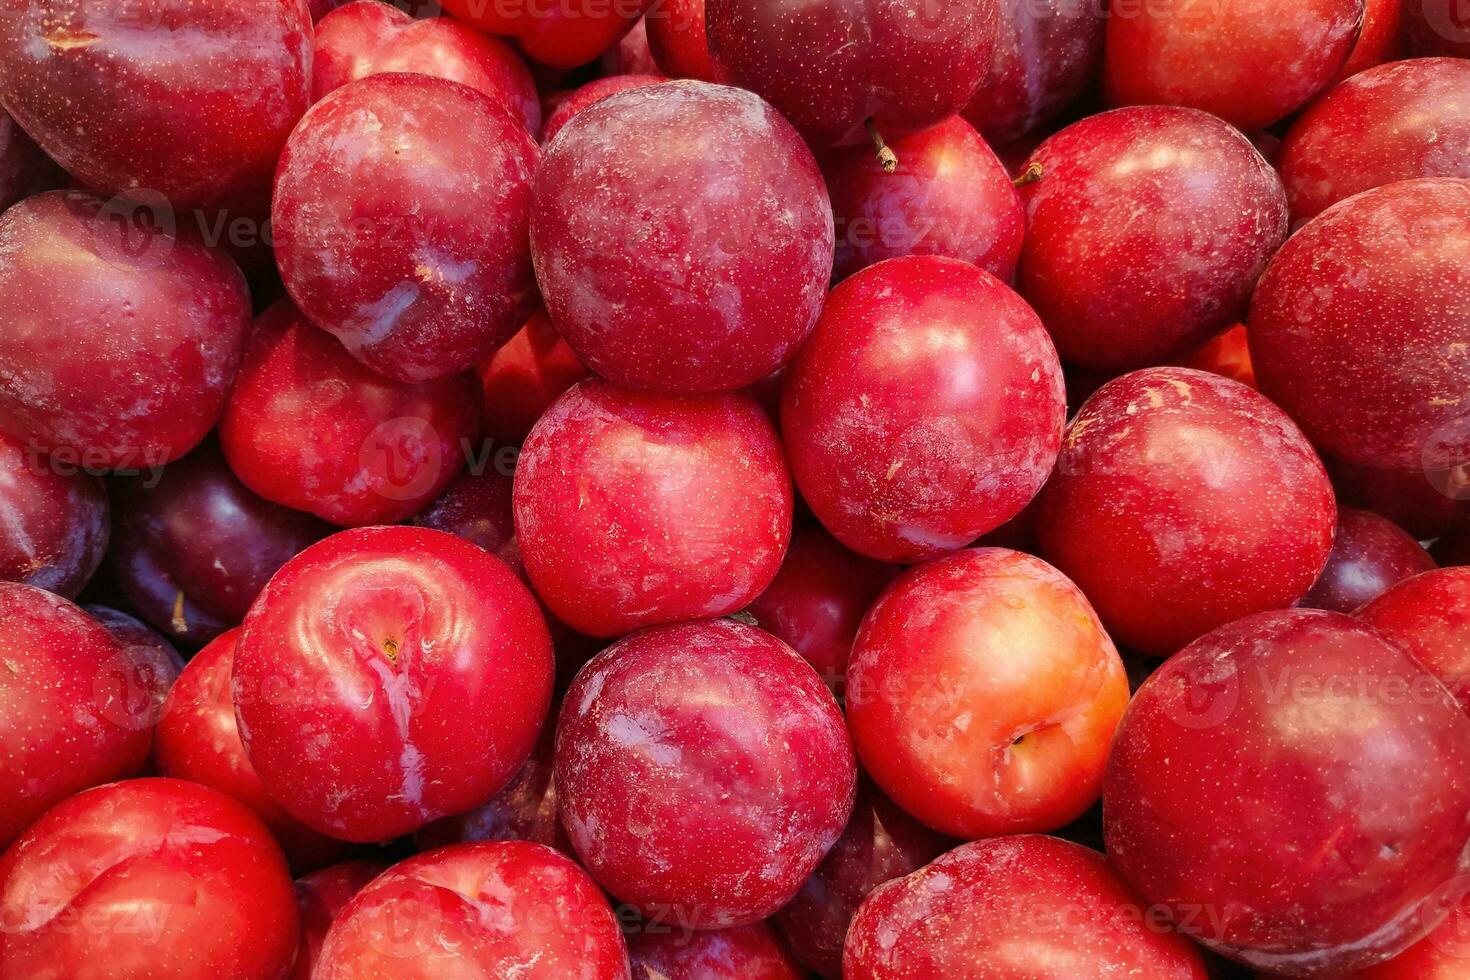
x: 477, y: 507
x: 1146, y: 230
x: 1017, y: 908
x: 143, y: 879
x: 578, y: 99
x: 678, y: 41
x: 118, y: 337
x: 388, y: 677
x: 54, y: 526
x: 1396, y: 121
x: 1182, y: 501
x: 567, y: 34
x: 634, y: 508
x: 702, y: 772
x: 490, y: 909
x: 1370, y: 554
x: 524, y: 810
x: 1364, y: 289
x: 320, y: 898
x: 949, y: 195
x: 1303, y: 776
x: 682, y: 236
x: 1429, y: 615
x: 926, y: 410
x: 750, y: 952
x: 524, y: 377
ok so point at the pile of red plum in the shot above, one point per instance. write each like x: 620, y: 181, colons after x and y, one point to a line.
x: 734, y: 489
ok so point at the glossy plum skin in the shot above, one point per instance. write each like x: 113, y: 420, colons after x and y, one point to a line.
x: 120, y: 354
x: 634, y: 508
x: 492, y: 909
x: 1046, y: 53
x: 54, y: 526
x: 199, y: 533
x: 949, y: 196
x: 198, y: 739
x: 170, y: 879
x: 524, y: 377
x: 830, y: 65
x: 817, y: 600
x: 580, y: 98
x: 1437, y: 27
x: 559, y: 35
x: 74, y: 715
x: 925, y: 411
x: 982, y: 695
x: 320, y: 898
x: 1146, y: 230
x: 1017, y: 908
x: 750, y: 952
x: 400, y: 215
x: 192, y: 101
x: 1429, y: 615
x: 1370, y: 554
x: 880, y: 843
x: 731, y: 752
x: 24, y: 169
x: 1393, y: 122
x: 1280, y: 54
x: 1182, y: 501
x: 388, y: 677
x: 678, y: 42
x: 524, y: 810
x: 1360, y: 327
x: 370, y: 38
x: 710, y: 283
x: 1327, y: 852
x: 309, y: 427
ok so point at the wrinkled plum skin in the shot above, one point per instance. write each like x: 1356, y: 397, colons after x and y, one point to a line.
x: 192, y: 864
x: 54, y: 525
x: 633, y: 508
x: 817, y: 600
x: 495, y: 909
x: 1429, y: 615
x: 198, y: 532
x: 678, y: 42
x: 189, y: 100
x: 1047, y: 52
x: 524, y: 377
x: 1027, y: 907
x: 949, y: 196
x: 1183, y: 500
x: 24, y: 169
x: 320, y: 898
x: 558, y: 35
x: 880, y: 843
x: 580, y: 98
x: 1280, y: 55
x: 830, y: 65
x: 926, y: 410
x: 198, y: 739
x: 308, y: 427
x: 1146, y: 230
x: 400, y: 216
x: 710, y: 283
x: 742, y: 953
x: 388, y: 677
x: 76, y: 718
x: 1360, y: 327
x: 118, y: 342
x: 524, y: 810
x: 1437, y: 27
x: 1394, y: 122
x: 732, y: 753
x: 1307, y: 717
x: 998, y: 655
x: 370, y: 38
x: 1370, y: 554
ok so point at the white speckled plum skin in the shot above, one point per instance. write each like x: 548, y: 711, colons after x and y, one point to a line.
x: 682, y: 237
x: 53, y: 523
x: 1360, y: 327
x: 186, y: 99
x: 1015, y: 908
x: 580, y: 98
x: 982, y: 695
x: 1261, y: 777
x: 117, y: 349
x: 633, y: 508
x: 503, y: 909
x: 1250, y: 62
x: 1429, y: 615
x: 401, y: 215
x: 926, y: 410
x: 1394, y: 122
x: 1370, y: 554
x: 1182, y: 501
x: 388, y: 677
x: 750, y: 952
x: 829, y: 65
x: 1146, y: 231
x: 702, y: 772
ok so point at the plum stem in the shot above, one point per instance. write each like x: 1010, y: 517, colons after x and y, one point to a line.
x: 887, y: 159
x: 177, y: 620
x: 1030, y: 175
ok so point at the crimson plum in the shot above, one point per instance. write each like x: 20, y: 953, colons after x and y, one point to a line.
x: 1227, y: 354
x: 578, y: 99
x: 1369, y: 555
x: 1381, y: 39
x: 560, y: 35
x: 678, y: 42
x: 1429, y: 615
x: 320, y: 898
x: 54, y: 525
x: 524, y: 377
